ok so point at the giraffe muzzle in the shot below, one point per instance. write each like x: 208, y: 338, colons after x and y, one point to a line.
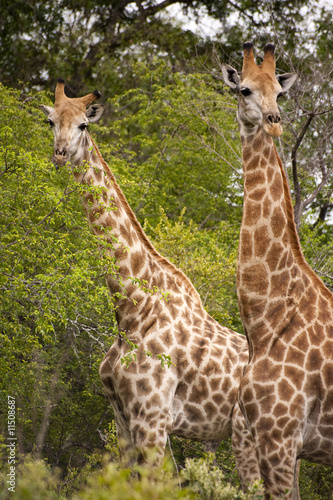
x: 60, y: 158
x: 272, y: 124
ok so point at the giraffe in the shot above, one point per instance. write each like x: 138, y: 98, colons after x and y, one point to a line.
x: 286, y: 394
x: 196, y: 397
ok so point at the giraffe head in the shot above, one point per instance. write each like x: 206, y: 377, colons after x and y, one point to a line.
x: 69, y: 120
x: 258, y: 88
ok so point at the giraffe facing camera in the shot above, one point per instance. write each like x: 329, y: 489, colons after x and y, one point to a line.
x: 286, y: 394
x: 196, y: 397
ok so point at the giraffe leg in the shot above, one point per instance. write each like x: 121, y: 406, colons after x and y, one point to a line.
x: 296, y: 495
x: 279, y: 469
x: 125, y: 444
x: 244, y: 450
x: 149, y: 441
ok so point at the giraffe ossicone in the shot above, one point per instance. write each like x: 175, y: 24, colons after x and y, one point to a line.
x: 286, y: 393
x: 197, y: 396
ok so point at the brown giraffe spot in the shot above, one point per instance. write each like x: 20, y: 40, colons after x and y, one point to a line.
x: 296, y: 324
x: 139, y: 434
x: 125, y: 390
x: 327, y: 372
x: 255, y: 278
x: 251, y: 214
x: 193, y: 413
x: 328, y: 401
x: 247, y: 395
x: 163, y: 321
x: 324, y: 311
x: 247, y: 153
x: 257, y: 194
x: 295, y: 375
x: 266, y: 424
x: 276, y: 353
x: 155, y: 347
x: 254, y: 179
x: 217, y: 353
x: 226, y: 385
x: 190, y: 375
x: 246, y: 246
x: 266, y: 207
x: 327, y: 348
x: 270, y: 174
x: 291, y: 427
x: 280, y: 409
x: 155, y: 400
x: 187, y: 317
x: 314, y: 360
x: 199, y: 392
x: 121, y: 253
x: 279, y: 286
x: 211, y: 368
x: 301, y: 342
x: 210, y: 409
x: 172, y: 285
x: 282, y: 421
x: 278, y: 221
x: 95, y: 213
x: 316, y: 334
x: 89, y: 198
x: 261, y: 237
x: 198, y: 353
x: 296, y: 409
x: 267, y: 152
x: 181, y: 391
x: 274, y: 255
x: 218, y: 399
x: 276, y: 314
x: 264, y: 392
x: 294, y: 356
x: 138, y: 410
x: 158, y: 376
x: 167, y: 338
x: 276, y: 188
x: 137, y: 262
x: 143, y: 387
x: 180, y: 359
x: 182, y: 334
x: 173, y: 310
x: 98, y: 174
x: 285, y: 390
x: 252, y: 411
x: 107, y: 381
x: 215, y: 384
x: 257, y: 143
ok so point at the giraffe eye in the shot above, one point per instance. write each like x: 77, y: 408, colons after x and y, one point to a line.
x: 83, y: 126
x: 50, y: 122
x: 245, y: 92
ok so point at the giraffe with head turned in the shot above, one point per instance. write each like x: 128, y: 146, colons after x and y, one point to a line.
x: 196, y: 397
x: 286, y: 394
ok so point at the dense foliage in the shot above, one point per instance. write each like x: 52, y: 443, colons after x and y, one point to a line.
x: 170, y: 136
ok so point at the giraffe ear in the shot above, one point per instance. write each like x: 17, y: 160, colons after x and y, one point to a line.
x: 47, y: 110
x: 230, y: 76
x: 286, y: 80
x: 94, y: 112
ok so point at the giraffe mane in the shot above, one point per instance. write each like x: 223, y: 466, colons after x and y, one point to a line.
x: 294, y: 239
x: 148, y: 245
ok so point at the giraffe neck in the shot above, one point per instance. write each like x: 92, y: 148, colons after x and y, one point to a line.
x: 272, y: 271
x: 115, y: 224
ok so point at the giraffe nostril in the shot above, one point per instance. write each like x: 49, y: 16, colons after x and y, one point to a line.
x: 273, y: 118
x: 60, y: 152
